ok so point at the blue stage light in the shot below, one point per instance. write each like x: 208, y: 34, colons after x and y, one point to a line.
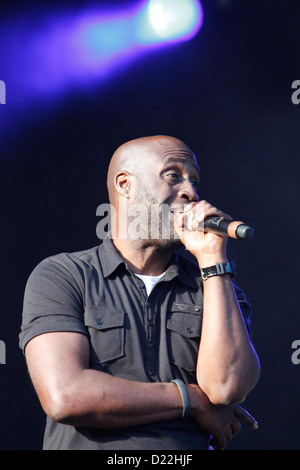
x: 172, y: 20
x: 64, y: 51
x: 148, y: 25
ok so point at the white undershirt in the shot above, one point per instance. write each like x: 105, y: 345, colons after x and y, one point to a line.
x: 149, y: 281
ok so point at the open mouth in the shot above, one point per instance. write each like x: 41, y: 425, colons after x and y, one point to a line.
x: 177, y: 209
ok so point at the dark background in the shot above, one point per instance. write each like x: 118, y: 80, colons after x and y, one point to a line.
x: 226, y: 93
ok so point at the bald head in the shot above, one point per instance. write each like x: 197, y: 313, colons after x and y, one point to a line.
x: 133, y: 156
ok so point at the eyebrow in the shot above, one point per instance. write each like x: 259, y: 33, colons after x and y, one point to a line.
x: 179, y: 160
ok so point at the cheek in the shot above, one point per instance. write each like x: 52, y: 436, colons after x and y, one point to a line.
x: 165, y: 193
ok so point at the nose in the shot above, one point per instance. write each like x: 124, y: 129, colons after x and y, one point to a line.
x: 188, y: 191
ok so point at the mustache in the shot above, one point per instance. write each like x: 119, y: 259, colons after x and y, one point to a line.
x: 181, y: 207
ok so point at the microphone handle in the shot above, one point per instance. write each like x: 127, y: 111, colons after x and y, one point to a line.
x: 233, y: 229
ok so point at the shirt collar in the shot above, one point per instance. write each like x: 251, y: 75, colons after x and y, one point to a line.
x: 111, y: 260
x: 184, y: 269
x: 109, y: 257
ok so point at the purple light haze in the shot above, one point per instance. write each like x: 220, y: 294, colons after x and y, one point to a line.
x: 46, y: 55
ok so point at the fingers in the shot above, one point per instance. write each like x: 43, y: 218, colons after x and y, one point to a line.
x: 221, y: 440
x: 240, y: 416
x: 196, y: 213
x: 217, y: 443
x: 199, y: 211
x: 193, y: 215
x: 235, y: 427
x: 244, y: 417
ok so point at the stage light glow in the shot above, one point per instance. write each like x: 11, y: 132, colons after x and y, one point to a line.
x: 151, y: 24
x: 48, y: 56
x: 173, y: 19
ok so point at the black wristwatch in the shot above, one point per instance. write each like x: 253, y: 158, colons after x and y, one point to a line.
x: 219, y: 269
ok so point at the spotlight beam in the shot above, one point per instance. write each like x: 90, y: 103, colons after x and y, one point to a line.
x: 47, y: 57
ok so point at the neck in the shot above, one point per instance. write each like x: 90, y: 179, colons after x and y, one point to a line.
x: 143, y: 258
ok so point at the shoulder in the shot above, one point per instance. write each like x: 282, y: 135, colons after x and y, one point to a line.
x: 68, y: 261
x: 64, y: 270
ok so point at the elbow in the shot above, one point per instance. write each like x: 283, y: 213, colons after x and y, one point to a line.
x: 69, y: 407
x: 230, y: 392
x: 232, y: 388
x: 55, y: 410
x: 60, y: 407
x: 223, y: 395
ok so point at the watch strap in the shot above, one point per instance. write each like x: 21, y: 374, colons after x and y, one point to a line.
x: 219, y: 269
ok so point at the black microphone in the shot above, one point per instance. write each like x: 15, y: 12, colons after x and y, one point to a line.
x: 230, y: 228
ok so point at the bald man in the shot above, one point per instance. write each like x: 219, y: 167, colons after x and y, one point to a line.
x: 130, y: 345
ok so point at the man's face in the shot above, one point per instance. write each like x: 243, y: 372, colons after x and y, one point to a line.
x: 167, y: 179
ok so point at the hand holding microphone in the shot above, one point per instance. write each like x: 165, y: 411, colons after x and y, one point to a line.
x: 230, y: 228
x: 195, y: 221
x: 220, y: 226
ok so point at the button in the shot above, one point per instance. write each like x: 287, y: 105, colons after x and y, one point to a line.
x: 141, y: 285
x: 197, y: 309
x: 189, y: 330
x: 99, y: 321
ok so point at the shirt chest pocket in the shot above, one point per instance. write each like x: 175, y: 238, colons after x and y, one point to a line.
x: 184, y: 330
x: 106, y: 330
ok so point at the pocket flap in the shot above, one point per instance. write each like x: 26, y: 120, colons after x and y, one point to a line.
x: 185, y: 324
x: 102, y: 319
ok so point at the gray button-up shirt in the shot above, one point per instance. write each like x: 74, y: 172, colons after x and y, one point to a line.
x: 132, y: 335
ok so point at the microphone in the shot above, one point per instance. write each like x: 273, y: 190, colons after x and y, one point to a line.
x: 222, y: 226
x: 230, y: 228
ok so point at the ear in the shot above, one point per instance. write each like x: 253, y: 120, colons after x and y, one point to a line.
x: 122, y: 183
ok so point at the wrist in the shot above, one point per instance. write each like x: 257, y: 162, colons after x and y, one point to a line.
x: 198, y: 399
x: 186, y: 404
x: 211, y: 260
x: 227, y: 269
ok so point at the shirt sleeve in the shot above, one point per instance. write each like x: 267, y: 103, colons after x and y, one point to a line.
x: 52, y: 300
x: 244, y: 306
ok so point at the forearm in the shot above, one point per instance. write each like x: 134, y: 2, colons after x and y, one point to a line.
x: 122, y: 403
x: 71, y: 393
x: 227, y: 366
x: 96, y: 399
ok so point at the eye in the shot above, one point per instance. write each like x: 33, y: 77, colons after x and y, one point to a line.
x: 173, y: 176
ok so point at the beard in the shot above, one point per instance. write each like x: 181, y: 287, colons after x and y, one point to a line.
x: 150, y: 221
